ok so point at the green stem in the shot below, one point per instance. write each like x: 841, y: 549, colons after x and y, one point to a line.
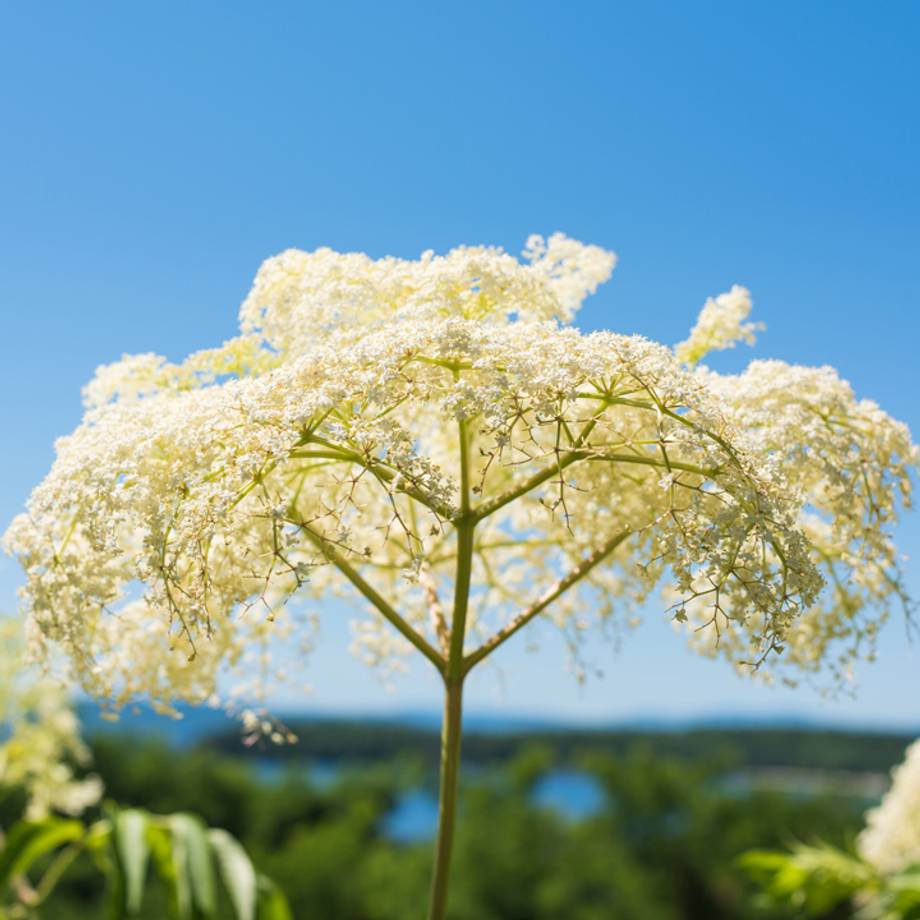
x: 447, y: 798
x: 451, y: 728
x: 538, y: 606
x: 54, y: 872
x: 339, y: 561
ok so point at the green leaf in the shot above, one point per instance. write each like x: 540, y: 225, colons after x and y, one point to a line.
x: 901, y: 894
x: 28, y: 841
x: 194, y: 866
x: 237, y: 872
x: 273, y: 904
x: 132, y: 853
x: 812, y: 879
x: 169, y: 857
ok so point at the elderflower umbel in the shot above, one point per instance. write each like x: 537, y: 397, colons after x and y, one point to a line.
x: 891, y: 840
x: 371, y: 407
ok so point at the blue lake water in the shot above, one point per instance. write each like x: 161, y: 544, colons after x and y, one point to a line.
x: 415, y: 817
x: 571, y: 794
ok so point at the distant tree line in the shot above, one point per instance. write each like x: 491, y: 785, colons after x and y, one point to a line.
x: 370, y: 741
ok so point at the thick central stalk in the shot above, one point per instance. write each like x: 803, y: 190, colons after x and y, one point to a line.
x: 453, y: 674
x: 447, y: 798
x: 452, y: 725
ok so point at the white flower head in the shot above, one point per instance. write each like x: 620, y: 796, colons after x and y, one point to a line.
x: 721, y: 323
x: 891, y: 840
x: 373, y: 413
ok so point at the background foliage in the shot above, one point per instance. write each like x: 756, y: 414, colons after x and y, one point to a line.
x: 665, y: 844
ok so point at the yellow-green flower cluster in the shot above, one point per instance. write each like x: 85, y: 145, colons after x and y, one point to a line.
x: 375, y: 414
x: 721, y: 324
x: 40, y: 742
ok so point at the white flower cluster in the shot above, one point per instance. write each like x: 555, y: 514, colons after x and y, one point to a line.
x: 40, y: 742
x: 720, y: 325
x: 850, y: 465
x: 891, y: 839
x: 379, y: 423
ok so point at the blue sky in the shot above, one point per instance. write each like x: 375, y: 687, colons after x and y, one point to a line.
x: 155, y: 154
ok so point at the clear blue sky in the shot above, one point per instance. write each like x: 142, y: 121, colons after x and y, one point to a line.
x: 154, y: 154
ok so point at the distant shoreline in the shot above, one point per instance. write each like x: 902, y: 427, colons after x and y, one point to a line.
x: 727, y: 744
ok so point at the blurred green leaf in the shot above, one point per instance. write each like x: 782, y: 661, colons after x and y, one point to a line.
x: 900, y: 897
x: 813, y: 879
x: 169, y: 857
x: 237, y: 872
x: 28, y: 841
x: 131, y: 851
x: 194, y: 867
x: 273, y: 904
